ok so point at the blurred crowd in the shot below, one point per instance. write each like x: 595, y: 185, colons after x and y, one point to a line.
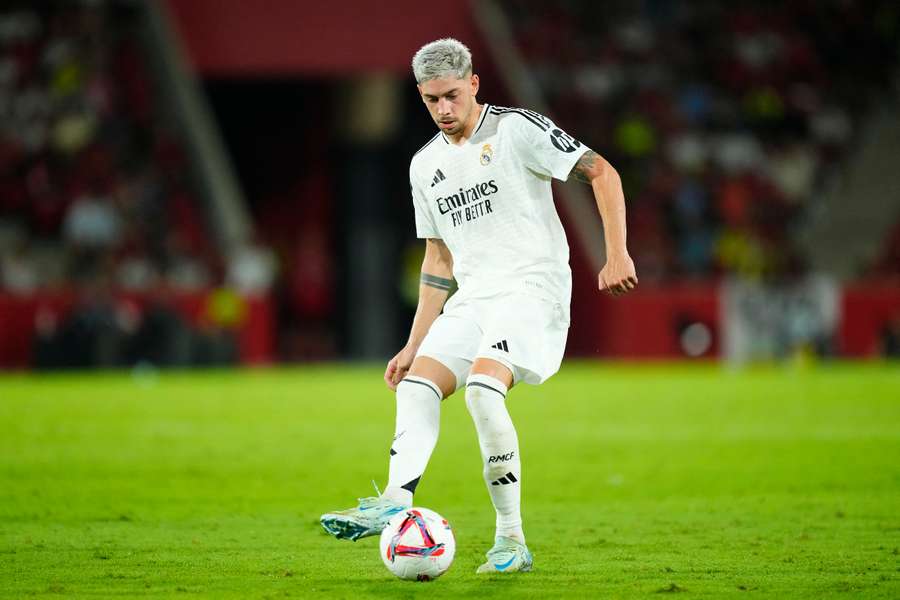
x: 92, y: 179
x: 96, y: 201
x: 725, y: 121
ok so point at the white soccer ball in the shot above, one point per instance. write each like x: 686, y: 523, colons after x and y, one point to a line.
x: 418, y: 545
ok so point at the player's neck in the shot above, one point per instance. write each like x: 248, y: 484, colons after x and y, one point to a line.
x: 463, y: 136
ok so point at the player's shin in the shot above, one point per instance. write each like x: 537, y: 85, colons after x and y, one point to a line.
x: 486, y: 400
x: 415, y: 435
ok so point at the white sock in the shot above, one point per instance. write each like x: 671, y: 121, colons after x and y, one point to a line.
x: 486, y: 400
x: 415, y: 435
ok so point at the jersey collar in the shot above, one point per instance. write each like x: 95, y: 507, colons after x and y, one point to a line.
x: 484, y: 112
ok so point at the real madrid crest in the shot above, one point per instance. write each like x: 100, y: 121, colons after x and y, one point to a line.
x: 487, y: 155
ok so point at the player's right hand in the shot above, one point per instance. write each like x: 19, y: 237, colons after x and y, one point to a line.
x: 398, y: 367
x: 618, y: 275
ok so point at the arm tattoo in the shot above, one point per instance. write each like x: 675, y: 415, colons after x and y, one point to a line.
x: 585, y: 162
x: 434, y: 281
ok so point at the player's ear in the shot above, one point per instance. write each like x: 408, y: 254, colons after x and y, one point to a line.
x: 474, y: 82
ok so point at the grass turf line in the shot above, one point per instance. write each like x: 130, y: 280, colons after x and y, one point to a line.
x: 637, y: 480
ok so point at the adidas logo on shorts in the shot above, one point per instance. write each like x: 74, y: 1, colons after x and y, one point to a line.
x: 501, y: 345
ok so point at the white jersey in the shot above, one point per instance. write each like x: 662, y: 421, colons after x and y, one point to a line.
x: 490, y: 201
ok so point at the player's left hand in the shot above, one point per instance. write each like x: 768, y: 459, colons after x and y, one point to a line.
x: 618, y: 275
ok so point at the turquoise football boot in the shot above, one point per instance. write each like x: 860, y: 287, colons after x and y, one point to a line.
x: 507, y: 556
x: 370, y: 517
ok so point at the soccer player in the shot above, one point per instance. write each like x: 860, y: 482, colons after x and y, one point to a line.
x: 483, y: 203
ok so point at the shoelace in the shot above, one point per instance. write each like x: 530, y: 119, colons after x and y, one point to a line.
x: 371, y: 499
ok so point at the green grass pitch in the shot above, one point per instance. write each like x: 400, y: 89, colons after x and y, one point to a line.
x: 638, y: 481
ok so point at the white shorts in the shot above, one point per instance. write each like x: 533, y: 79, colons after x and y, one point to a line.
x: 525, y: 333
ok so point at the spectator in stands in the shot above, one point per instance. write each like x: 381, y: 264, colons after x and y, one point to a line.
x: 18, y: 273
x: 251, y: 269
x: 93, y: 223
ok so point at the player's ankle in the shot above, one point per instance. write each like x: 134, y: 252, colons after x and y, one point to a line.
x: 516, y: 534
x: 399, y: 495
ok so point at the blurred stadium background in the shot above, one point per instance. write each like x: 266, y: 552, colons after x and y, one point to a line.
x: 205, y: 182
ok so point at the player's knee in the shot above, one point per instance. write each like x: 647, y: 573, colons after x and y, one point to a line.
x: 440, y: 373
x: 415, y: 386
x: 500, y: 372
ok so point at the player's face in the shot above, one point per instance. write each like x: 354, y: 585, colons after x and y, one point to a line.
x: 450, y: 101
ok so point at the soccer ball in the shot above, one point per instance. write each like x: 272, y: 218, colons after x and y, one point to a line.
x: 417, y: 545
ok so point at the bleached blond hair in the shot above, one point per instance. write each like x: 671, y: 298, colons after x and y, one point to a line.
x: 442, y: 58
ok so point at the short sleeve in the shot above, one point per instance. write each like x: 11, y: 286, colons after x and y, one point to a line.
x: 425, y: 227
x: 543, y: 147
